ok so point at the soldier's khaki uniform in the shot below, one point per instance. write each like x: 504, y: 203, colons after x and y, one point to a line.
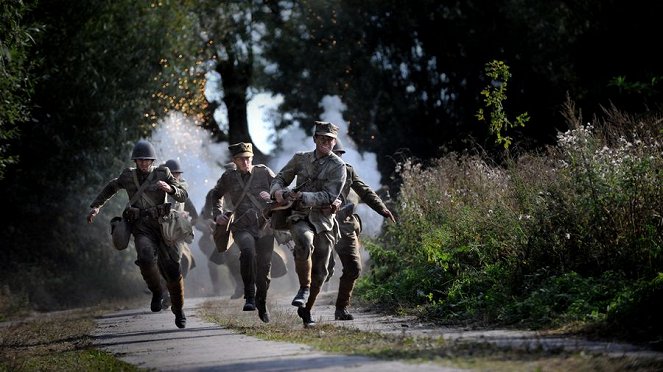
x: 153, y: 254
x: 312, y: 223
x: 347, y: 248
x: 251, y: 233
x: 230, y: 258
x: 187, y: 261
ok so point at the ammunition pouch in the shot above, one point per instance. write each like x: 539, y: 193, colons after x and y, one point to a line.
x: 279, y: 219
x: 131, y: 214
x: 358, y: 224
x: 120, y: 232
x: 156, y: 211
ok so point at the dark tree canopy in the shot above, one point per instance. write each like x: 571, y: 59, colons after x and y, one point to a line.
x: 78, y: 95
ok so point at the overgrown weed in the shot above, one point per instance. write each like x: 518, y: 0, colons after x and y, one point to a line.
x: 572, y: 234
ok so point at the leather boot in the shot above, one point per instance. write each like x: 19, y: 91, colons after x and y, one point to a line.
x: 250, y: 304
x: 301, y: 297
x: 165, y: 296
x: 303, y: 269
x: 343, y: 299
x: 342, y: 313
x: 176, y: 289
x: 152, y: 278
x: 305, y: 314
x: 261, y: 304
x: 315, y: 290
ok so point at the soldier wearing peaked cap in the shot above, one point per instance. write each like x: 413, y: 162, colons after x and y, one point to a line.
x: 247, y: 188
x: 320, y: 178
x: 230, y: 258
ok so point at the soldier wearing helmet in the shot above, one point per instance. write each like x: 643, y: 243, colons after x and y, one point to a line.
x: 154, y: 257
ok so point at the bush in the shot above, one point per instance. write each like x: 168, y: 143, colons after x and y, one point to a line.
x: 542, y: 239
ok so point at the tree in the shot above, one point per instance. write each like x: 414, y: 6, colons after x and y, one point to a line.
x: 231, y: 31
x: 110, y: 70
x: 16, y: 40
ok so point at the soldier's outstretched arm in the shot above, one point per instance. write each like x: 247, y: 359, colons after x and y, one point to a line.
x: 92, y: 214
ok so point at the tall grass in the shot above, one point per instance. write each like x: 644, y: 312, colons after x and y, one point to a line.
x: 574, y: 233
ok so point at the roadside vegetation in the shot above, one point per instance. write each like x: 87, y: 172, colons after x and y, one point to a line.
x: 328, y: 337
x: 568, y: 237
x: 55, y: 342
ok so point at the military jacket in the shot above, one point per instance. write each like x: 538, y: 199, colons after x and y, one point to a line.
x: 363, y: 191
x: 187, y: 206
x: 324, y: 179
x: 152, y: 195
x: 247, y: 215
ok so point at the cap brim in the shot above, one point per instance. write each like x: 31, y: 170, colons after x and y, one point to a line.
x: 326, y: 135
x: 243, y: 154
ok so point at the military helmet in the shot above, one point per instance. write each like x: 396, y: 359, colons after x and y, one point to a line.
x: 338, y: 147
x: 174, y: 166
x: 143, y: 150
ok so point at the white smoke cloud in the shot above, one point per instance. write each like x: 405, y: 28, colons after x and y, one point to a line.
x: 177, y: 137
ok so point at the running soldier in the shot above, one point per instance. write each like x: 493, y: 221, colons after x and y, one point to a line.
x: 247, y: 188
x: 347, y: 247
x: 321, y: 175
x: 154, y: 256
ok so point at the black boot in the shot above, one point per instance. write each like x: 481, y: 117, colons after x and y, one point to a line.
x: 262, y: 311
x: 157, y: 302
x: 250, y: 304
x: 301, y: 297
x: 152, y: 278
x: 305, y: 314
x: 342, y: 313
x: 180, y: 319
x: 165, y: 300
x: 176, y: 290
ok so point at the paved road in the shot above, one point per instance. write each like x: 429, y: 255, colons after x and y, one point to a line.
x: 151, y: 340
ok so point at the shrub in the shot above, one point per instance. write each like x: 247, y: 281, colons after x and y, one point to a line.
x: 542, y: 239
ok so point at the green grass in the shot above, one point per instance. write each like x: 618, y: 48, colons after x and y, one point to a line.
x: 55, y: 342
x: 338, y: 339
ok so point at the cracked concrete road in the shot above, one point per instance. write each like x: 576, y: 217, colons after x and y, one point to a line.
x: 151, y: 340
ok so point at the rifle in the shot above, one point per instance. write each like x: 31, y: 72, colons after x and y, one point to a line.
x: 275, y: 206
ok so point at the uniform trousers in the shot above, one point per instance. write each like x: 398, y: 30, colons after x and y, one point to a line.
x: 255, y: 263
x: 313, y: 247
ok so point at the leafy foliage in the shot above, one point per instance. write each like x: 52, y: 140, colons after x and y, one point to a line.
x: 573, y: 235
x: 494, y: 97
x: 16, y: 40
x: 110, y: 69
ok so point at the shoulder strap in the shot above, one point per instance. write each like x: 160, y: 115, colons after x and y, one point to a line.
x: 245, y: 187
x: 252, y: 197
x: 141, y: 188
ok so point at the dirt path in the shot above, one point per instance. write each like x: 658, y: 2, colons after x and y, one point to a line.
x: 151, y: 340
